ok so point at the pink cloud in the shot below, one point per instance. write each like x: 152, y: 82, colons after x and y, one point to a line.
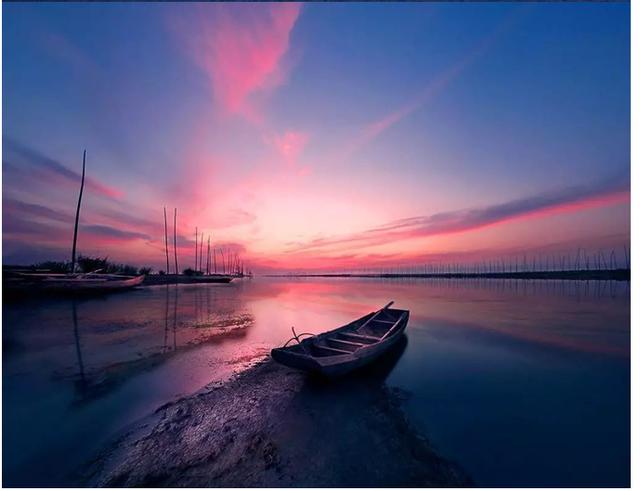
x: 454, y: 222
x: 240, y: 47
x: 290, y: 145
x: 40, y: 167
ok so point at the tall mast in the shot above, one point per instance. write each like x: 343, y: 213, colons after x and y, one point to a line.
x: 201, y: 244
x: 208, y: 253
x: 175, y: 241
x: 75, y: 228
x: 166, y: 240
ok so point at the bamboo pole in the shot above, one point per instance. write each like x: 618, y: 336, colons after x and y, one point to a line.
x: 195, y: 267
x: 201, y: 245
x: 208, y: 253
x: 166, y: 240
x: 75, y: 228
x: 175, y: 240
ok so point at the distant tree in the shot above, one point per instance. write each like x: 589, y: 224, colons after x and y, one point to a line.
x: 127, y: 269
x: 54, y: 266
x: 90, y: 264
x: 145, y: 270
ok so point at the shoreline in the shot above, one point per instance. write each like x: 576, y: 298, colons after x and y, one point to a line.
x: 275, y: 427
x: 577, y: 275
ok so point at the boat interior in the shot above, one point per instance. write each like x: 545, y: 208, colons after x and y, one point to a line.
x: 366, y: 331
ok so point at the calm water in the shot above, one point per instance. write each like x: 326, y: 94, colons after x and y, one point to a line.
x: 521, y: 383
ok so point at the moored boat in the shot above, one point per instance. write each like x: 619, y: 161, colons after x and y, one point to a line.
x: 346, y: 348
x: 70, y: 283
x: 169, y: 279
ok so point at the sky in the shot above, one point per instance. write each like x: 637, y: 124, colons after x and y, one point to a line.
x: 316, y: 136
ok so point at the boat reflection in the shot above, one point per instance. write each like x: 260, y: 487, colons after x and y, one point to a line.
x: 352, y: 432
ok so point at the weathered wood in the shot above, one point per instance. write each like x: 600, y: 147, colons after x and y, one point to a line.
x: 376, y: 315
x: 359, y: 336
x: 331, y: 355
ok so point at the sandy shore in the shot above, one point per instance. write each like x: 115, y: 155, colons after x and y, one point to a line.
x: 272, y: 426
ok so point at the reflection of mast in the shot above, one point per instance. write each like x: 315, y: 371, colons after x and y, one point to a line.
x: 166, y: 319
x: 175, y: 316
x: 76, y: 335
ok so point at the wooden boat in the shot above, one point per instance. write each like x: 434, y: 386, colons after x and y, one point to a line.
x: 71, y: 283
x: 213, y: 278
x: 170, y: 279
x: 346, y: 348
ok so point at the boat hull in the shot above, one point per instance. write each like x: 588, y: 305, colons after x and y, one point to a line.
x: 340, y: 364
x: 171, y: 279
x: 70, y: 284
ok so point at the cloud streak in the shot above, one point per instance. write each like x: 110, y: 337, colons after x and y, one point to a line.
x: 46, y: 168
x: 440, y: 82
x: 16, y: 207
x: 452, y: 222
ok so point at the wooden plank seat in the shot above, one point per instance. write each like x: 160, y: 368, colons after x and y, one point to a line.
x: 331, y: 351
x: 362, y: 337
x: 344, y: 344
x: 347, y: 348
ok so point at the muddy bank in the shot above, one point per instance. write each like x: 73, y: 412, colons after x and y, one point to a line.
x: 272, y: 426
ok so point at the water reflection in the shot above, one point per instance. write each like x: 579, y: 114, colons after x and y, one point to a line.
x: 214, y: 324
x: 492, y: 368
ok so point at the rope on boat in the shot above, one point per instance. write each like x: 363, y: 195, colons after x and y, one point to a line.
x: 297, y: 338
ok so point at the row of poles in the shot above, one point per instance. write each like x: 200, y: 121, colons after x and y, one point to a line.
x: 229, y: 263
x: 175, y: 239
x: 582, y: 261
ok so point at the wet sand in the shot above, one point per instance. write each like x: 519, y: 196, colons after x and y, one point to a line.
x: 272, y: 426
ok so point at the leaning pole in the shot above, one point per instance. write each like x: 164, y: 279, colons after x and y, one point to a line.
x: 75, y: 228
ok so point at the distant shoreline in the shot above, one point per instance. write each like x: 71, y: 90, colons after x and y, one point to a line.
x: 579, y: 275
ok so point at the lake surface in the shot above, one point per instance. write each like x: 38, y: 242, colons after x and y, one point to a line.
x: 522, y: 383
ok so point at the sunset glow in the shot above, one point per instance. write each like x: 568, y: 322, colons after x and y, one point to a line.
x: 304, y: 148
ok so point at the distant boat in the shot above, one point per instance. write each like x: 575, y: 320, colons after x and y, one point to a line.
x: 348, y: 347
x: 213, y: 278
x: 70, y: 283
x: 169, y: 279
